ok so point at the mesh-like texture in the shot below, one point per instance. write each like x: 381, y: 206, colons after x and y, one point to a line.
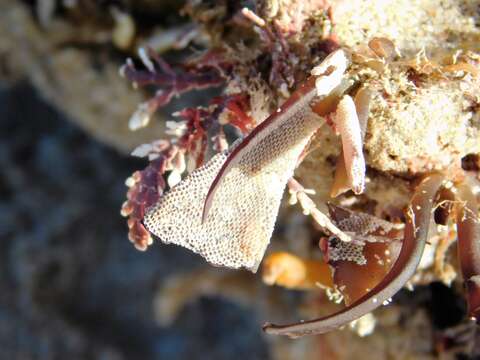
x: 339, y: 250
x: 363, y: 228
x: 364, y: 224
x: 240, y: 222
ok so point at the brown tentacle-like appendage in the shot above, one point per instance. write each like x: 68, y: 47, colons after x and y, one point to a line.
x: 415, y: 236
x: 320, y: 93
x: 468, y: 229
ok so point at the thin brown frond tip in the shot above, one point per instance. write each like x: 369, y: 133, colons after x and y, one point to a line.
x: 415, y: 236
x: 468, y: 229
x: 473, y: 293
x: 295, y: 112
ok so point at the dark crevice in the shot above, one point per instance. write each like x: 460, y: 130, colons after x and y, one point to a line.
x: 73, y: 286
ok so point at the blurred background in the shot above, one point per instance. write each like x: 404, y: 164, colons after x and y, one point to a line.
x: 71, y: 284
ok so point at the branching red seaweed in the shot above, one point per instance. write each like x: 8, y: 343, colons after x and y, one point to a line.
x: 198, y: 126
x: 280, y: 63
x: 145, y: 188
x: 208, y: 71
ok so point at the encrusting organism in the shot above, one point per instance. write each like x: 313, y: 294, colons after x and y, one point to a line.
x: 237, y: 233
x: 225, y: 209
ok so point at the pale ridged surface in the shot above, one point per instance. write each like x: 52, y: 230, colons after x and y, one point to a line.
x: 240, y: 222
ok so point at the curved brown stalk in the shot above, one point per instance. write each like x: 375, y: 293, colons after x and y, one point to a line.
x: 415, y: 237
x: 353, y: 275
x: 248, y: 182
x: 315, y: 94
x: 468, y: 229
x: 300, y: 99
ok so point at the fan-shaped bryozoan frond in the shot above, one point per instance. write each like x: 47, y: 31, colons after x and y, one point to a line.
x: 239, y: 191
